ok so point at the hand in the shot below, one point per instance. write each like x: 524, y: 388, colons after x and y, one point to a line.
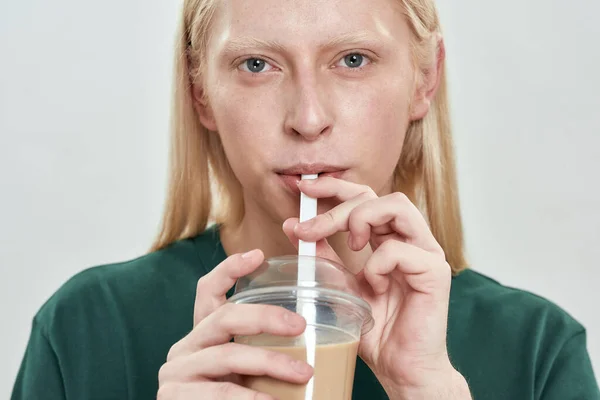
x: 406, y: 280
x: 205, y: 365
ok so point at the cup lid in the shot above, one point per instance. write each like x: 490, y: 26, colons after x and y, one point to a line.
x: 279, y: 274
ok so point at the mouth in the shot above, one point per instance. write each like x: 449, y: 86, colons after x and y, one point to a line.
x: 290, y: 176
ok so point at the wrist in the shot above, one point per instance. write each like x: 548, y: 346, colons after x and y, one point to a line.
x: 450, y: 385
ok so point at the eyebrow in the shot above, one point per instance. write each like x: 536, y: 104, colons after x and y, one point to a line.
x: 239, y: 44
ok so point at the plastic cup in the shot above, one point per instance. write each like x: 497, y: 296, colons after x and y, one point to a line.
x: 335, y: 314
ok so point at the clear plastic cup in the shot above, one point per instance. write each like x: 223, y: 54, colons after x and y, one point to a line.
x: 335, y: 314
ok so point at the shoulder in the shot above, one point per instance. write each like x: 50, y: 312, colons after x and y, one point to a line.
x: 497, y: 304
x: 519, y: 334
x: 515, y: 343
x: 101, y: 289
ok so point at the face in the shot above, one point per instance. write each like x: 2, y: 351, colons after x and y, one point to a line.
x: 296, y: 87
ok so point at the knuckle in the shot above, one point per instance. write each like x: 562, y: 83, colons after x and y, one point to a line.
x: 446, y: 271
x: 401, y: 221
x: 389, y: 247
x: 167, y: 391
x: 273, y: 358
x: 173, y: 351
x: 366, y: 197
x: 225, y: 390
x: 229, y: 351
x: 364, y: 200
x: 225, y: 315
x: 356, y: 217
x: 226, y: 309
x: 202, y: 285
x: 278, y: 360
x: 266, y: 314
x: 264, y: 310
x: 400, y: 197
x: 330, y: 216
x: 163, y: 372
x: 439, y: 250
x: 281, y: 312
x: 364, y: 208
x: 359, y: 210
x: 366, y: 190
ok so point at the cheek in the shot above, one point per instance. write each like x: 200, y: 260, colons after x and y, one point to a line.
x: 379, y: 118
x: 380, y: 115
x: 246, y: 125
x: 239, y: 115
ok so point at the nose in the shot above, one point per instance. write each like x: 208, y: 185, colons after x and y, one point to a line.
x: 308, y: 113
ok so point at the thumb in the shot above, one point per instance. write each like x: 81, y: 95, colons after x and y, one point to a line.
x: 288, y: 229
x: 324, y: 250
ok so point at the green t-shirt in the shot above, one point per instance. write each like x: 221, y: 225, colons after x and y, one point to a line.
x: 105, y: 334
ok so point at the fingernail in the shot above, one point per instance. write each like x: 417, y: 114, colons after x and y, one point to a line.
x: 248, y: 254
x: 301, y: 367
x: 287, y: 223
x: 292, y: 319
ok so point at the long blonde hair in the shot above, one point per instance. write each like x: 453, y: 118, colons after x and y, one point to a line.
x: 200, y: 170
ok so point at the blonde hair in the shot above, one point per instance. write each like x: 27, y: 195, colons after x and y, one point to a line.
x: 199, y: 167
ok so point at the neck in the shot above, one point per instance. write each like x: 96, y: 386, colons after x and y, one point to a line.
x: 257, y: 230
x: 251, y: 234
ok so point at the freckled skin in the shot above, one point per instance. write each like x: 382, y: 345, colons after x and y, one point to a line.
x: 307, y: 104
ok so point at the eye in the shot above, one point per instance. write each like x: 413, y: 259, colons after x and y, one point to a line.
x: 255, y: 65
x: 354, y: 61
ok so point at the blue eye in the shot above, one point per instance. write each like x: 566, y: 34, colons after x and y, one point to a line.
x: 255, y: 65
x: 354, y: 61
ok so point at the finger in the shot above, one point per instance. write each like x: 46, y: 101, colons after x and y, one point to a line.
x: 234, y: 358
x: 208, y: 391
x: 212, y: 288
x: 330, y: 222
x: 396, y: 211
x: 288, y: 229
x: 424, y: 272
x: 242, y: 319
x: 324, y: 249
x: 231, y: 320
x: 328, y: 187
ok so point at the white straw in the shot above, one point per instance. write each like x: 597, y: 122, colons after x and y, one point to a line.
x: 306, y: 273
x: 308, y: 210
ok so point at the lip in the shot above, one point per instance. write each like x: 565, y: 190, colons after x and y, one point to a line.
x: 290, y: 176
x: 313, y: 168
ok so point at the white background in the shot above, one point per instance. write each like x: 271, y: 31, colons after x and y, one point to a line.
x: 84, y: 103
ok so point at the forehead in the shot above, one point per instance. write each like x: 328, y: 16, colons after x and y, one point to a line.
x: 307, y: 22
